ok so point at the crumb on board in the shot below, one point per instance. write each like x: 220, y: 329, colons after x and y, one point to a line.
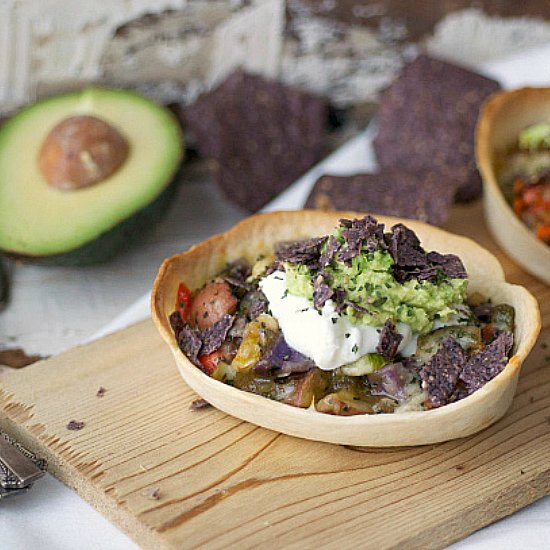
x: 152, y: 493
x: 75, y: 425
x: 199, y: 404
x: 100, y: 392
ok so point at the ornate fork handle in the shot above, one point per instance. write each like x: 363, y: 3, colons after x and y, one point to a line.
x: 19, y: 468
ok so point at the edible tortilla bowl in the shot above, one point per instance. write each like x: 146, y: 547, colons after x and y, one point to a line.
x: 501, y: 120
x: 257, y: 235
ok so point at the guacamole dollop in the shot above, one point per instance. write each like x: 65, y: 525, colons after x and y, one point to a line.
x: 369, y: 281
x: 536, y: 136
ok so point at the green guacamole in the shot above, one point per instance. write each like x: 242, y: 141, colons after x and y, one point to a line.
x: 369, y: 282
x: 536, y: 136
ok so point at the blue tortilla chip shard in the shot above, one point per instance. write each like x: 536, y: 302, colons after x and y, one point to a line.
x: 176, y: 322
x: 404, y: 246
x: 189, y: 341
x: 321, y: 292
x: 262, y: 134
x: 252, y: 304
x: 305, y: 252
x: 389, y: 340
x: 331, y: 249
x: 213, y: 337
x: 440, y: 375
x: 450, y: 264
x: 485, y: 365
x: 392, y: 192
x: 412, y: 261
x: 426, y: 123
x: 358, y: 232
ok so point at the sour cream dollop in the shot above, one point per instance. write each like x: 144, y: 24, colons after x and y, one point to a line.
x: 327, y: 338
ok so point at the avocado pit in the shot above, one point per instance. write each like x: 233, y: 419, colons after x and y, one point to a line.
x: 81, y: 151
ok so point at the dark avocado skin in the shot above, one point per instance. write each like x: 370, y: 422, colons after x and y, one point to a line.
x: 110, y: 243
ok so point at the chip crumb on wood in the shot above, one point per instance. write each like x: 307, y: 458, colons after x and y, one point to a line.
x: 152, y: 493
x: 100, y: 392
x: 75, y: 425
x: 199, y: 404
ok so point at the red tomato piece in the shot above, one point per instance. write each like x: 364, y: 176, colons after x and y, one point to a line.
x: 183, y: 303
x: 210, y: 361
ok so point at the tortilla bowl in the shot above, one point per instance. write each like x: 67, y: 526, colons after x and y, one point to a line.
x: 503, y: 116
x: 256, y: 235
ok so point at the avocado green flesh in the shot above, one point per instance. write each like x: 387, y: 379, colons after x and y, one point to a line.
x: 38, y: 220
x: 113, y: 241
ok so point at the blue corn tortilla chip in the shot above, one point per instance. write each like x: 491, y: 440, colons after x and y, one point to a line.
x: 412, y: 261
x: 440, y: 375
x: 305, y: 252
x: 405, y: 247
x: 330, y: 251
x: 485, y: 365
x: 389, y: 340
x: 213, y: 337
x: 321, y: 292
x: 262, y: 134
x: 392, y: 192
x: 189, y: 341
x: 450, y: 264
x: 426, y: 123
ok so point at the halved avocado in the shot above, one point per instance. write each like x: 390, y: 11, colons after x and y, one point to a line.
x: 85, y: 220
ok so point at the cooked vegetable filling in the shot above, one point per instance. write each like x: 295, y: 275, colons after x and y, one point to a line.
x: 361, y: 321
x: 525, y: 178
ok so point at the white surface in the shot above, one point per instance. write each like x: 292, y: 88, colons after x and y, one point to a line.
x: 34, y: 38
x: 51, y: 517
x: 51, y: 44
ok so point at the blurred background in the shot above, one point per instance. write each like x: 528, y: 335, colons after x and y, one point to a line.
x: 175, y: 49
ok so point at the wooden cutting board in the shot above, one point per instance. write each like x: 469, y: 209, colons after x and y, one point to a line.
x: 222, y: 482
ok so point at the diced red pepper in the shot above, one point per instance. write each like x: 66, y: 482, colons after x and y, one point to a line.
x: 183, y: 303
x: 543, y: 232
x: 489, y: 333
x: 518, y: 205
x: 210, y: 361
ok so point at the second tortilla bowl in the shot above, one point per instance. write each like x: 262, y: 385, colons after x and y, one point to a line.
x: 257, y: 235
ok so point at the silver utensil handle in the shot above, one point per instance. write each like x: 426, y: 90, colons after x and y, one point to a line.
x: 19, y: 468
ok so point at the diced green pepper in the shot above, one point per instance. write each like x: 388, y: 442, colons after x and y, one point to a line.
x: 367, y: 364
x: 468, y: 336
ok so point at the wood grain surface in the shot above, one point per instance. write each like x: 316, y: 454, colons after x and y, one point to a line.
x: 175, y: 478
